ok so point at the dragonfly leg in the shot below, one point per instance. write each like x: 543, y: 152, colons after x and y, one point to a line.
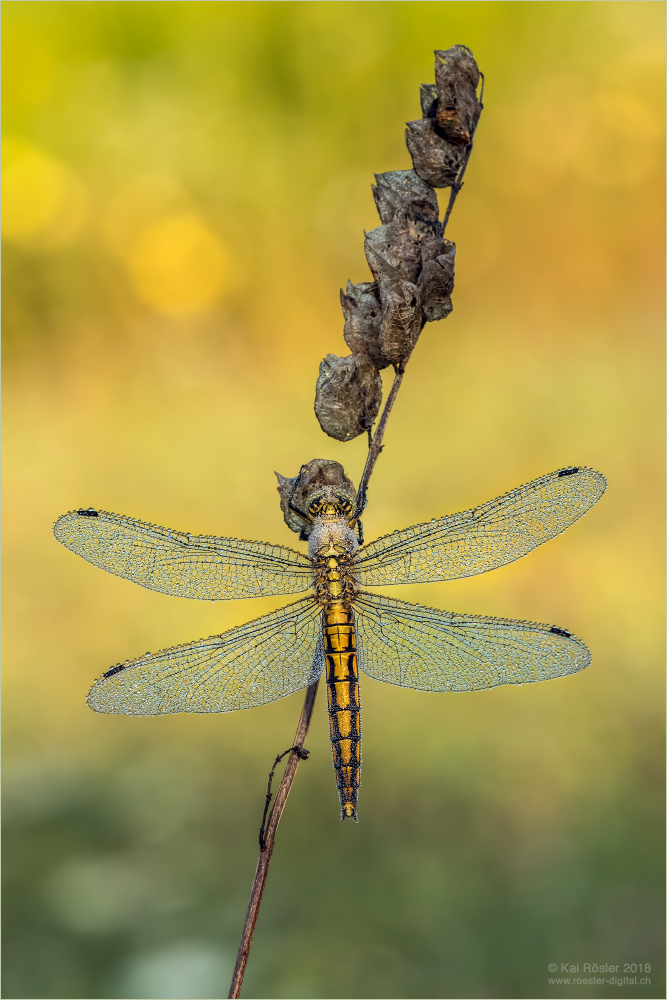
x: 356, y: 517
x: 292, y: 506
x: 360, y: 531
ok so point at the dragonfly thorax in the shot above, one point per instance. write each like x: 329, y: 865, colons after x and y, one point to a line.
x: 332, y: 543
x: 332, y: 547
x: 332, y: 536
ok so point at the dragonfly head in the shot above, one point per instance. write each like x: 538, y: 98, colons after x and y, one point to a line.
x: 331, y: 503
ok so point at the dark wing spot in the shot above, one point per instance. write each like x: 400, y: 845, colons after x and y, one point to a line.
x: 561, y: 631
x: 88, y: 513
x: 569, y: 471
x: 117, y: 669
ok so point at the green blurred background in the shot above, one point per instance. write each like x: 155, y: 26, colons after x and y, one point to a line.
x: 185, y: 190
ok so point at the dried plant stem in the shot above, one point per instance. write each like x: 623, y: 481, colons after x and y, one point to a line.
x: 269, y: 841
x: 267, y: 836
x: 375, y: 441
x: 455, y: 188
x: 375, y: 446
x: 458, y: 184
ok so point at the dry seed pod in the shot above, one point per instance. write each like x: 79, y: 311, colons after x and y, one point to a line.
x: 459, y: 61
x: 392, y: 254
x: 428, y: 98
x: 434, y: 247
x: 403, y: 196
x: 362, y: 310
x: 316, y: 475
x: 435, y: 290
x: 347, y: 395
x: 401, y: 319
x: 436, y: 160
x: 456, y: 80
x: 436, y: 281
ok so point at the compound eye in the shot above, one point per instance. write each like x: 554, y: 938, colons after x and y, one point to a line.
x: 343, y: 505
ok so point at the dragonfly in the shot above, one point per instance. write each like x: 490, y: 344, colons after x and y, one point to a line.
x: 339, y: 628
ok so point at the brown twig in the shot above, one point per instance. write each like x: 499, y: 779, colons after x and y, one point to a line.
x: 375, y: 446
x: 455, y: 188
x: 302, y: 755
x: 269, y: 836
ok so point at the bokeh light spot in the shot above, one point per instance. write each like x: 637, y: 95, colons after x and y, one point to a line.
x: 624, y: 140
x: 42, y: 199
x: 193, y: 969
x: 177, y: 265
x: 142, y: 199
x: 97, y: 895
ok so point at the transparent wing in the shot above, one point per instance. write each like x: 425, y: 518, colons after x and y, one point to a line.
x: 197, y: 566
x: 262, y: 661
x: 475, y: 541
x: 431, y: 650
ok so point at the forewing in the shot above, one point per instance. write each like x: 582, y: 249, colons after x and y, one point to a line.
x: 431, y: 650
x: 261, y: 661
x: 197, y: 566
x: 478, y: 540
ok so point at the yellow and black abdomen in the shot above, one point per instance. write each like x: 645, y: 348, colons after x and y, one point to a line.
x: 342, y: 677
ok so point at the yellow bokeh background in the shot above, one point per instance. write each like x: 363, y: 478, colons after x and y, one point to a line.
x: 43, y: 203
x: 177, y: 265
x: 185, y: 189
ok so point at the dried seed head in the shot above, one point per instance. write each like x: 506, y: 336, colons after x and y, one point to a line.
x: 363, y: 318
x: 457, y: 61
x: 316, y: 475
x: 451, y: 110
x: 436, y: 160
x: 434, y: 247
x: 401, y: 319
x: 456, y: 80
x: 435, y: 290
x: 436, y: 281
x: 392, y: 254
x: 428, y: 98
x: 347, y: 395
x: 403, y: 196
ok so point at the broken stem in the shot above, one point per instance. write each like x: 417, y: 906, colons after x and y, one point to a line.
x: 269, y: 837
